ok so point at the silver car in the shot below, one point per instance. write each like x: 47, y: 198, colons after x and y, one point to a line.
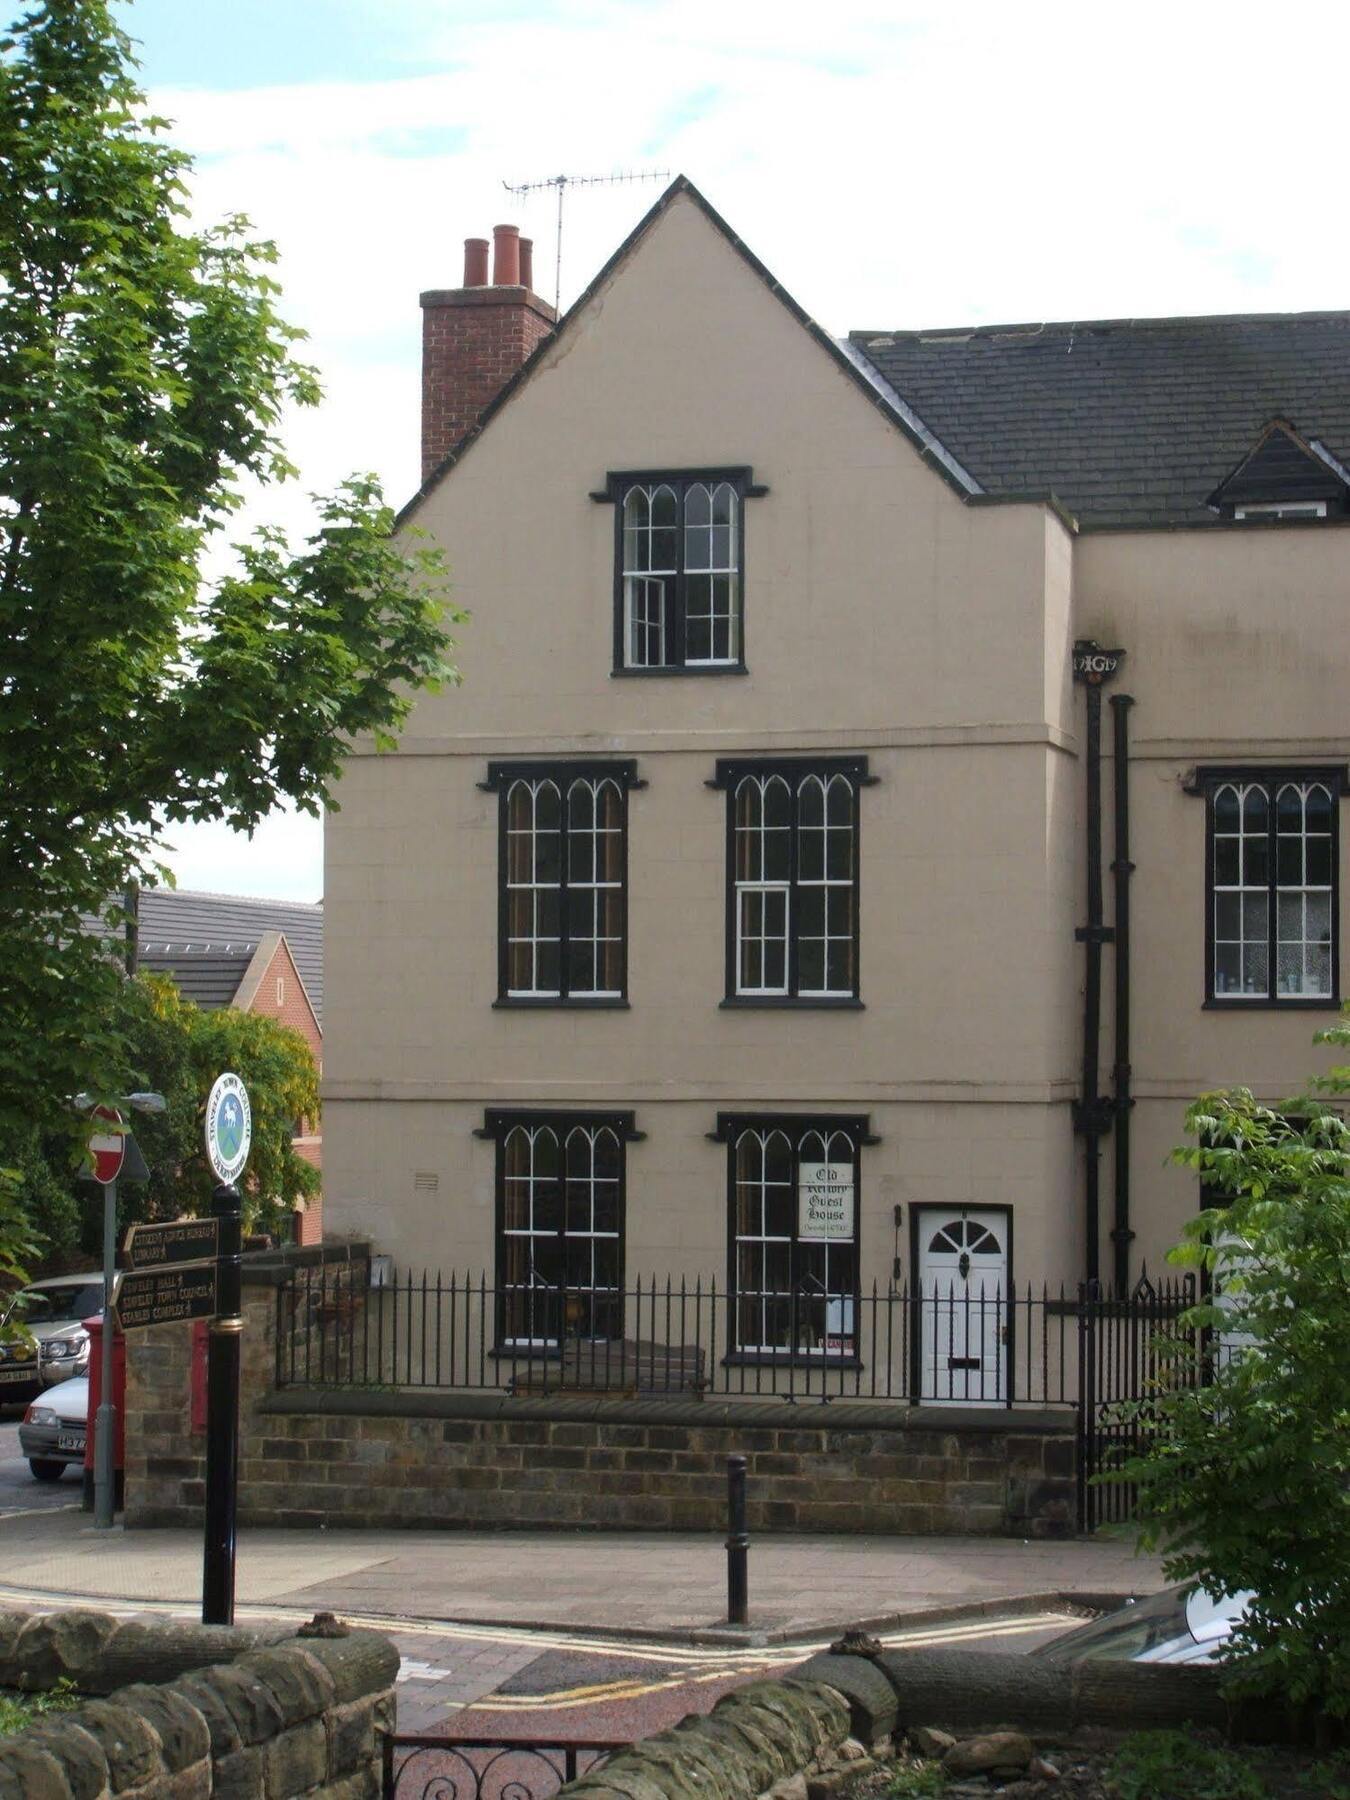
x: 1179, y: 1625
x: 53, y: 1311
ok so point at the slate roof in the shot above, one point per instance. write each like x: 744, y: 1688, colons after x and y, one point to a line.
x: 180, y: 927
x: 1127, y: 422
x: 1124, y: 422
x: 207, y: 979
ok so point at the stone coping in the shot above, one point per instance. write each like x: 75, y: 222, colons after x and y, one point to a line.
x: 271, y: 1268
x: 194, y: 1710
x: 780, y: 1415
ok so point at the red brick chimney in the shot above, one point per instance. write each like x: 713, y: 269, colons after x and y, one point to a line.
x: 475, y: 337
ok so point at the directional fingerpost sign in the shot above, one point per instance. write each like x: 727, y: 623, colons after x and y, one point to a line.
x: 107, y: 1147
x: 164, y: 1296
x: 229, y: 1128
x: 175, y: 1241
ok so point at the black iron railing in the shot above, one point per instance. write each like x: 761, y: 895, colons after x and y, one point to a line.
x: 438, y: 1767
x: 938, y: 1345
x: 1128, y: 1349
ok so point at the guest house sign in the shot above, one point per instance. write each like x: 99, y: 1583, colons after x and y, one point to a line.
x: 825, y: 1200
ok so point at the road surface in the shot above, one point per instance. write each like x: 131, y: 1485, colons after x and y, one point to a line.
x: 19, y: 1492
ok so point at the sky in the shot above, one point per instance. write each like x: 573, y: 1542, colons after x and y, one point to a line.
x: 895, y: 163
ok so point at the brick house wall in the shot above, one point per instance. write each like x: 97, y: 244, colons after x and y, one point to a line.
x: 273, y: 988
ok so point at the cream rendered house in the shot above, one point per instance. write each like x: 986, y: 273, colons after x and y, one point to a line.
x: 735, y: 920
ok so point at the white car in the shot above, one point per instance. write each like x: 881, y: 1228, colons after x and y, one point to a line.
x: 1176, y: 1626
x: 52, y: 1434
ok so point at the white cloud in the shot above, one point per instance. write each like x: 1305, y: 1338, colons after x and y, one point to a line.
x: 283, y: 859
x: 893, y: 164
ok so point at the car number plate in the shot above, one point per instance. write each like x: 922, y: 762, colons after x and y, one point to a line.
x: 70, y: 1440
x: 23, y: 1374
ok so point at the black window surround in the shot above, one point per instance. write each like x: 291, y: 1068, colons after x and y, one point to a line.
x: 766, y: 905
x: 1256, y: 880
x: 561, y: 1207
x: 794, y: 1298
x: 673, y: 615
x: 562, y: 882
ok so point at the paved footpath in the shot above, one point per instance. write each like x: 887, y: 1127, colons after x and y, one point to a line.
x: 594, y: 1634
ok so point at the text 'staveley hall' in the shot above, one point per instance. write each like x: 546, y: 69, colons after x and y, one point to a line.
x: 892, y: 775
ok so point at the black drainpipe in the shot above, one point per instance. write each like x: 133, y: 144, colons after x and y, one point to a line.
x: 1093, y: 666
x: 1122, y: 868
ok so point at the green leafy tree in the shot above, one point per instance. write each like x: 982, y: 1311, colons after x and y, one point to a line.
x: 277, y: 1067
x: 144, y: 369
x: 178, y: 1050
x: 1244, y: 1482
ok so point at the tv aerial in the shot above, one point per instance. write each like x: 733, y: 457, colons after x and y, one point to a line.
x: 562, y: 183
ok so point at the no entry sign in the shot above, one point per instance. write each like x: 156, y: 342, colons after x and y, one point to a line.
x: 107, y: 1148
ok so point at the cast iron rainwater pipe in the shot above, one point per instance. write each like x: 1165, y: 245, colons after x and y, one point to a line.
x: 1093, y: 667
x: 1121, y: 869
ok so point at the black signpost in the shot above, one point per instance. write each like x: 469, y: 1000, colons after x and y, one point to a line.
x: 222, y: 1414
x: 229, y: 1131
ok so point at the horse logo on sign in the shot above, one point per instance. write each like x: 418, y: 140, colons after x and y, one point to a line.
x: 229, y: 1128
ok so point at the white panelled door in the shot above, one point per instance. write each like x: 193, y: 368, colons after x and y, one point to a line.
x: 963, y: 1287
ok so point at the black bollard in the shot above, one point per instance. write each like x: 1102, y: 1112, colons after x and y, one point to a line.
x: 738, y: 1544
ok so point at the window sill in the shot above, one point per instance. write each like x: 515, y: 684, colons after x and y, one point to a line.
x: 803, y: 1359
x: 791, y: 1002
x: 1318, y: 1003
x: 521, y: 1003
x: 680, y: 671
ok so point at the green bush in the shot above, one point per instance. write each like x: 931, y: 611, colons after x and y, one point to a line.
x: 1169, y: 1765
x: 19, y: 1710
x: 917, y: 1781
x: 1244, y: 1476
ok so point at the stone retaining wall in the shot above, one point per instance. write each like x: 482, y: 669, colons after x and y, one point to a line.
x: 805, y: 1736
x: 444, y: 1460
x: 352, y: 1456
x: 255, y: 1715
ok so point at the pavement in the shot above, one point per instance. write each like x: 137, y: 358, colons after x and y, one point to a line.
x: 669, y: 1586
x: 573, y: 1635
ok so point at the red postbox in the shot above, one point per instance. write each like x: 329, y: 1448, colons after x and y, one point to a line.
x: 94, y: 1327
x: 201, y: 1337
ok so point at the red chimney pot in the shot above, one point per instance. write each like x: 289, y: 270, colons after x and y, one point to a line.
x: 527, y: 262
x: 506, y: 256
x: 475, y: 262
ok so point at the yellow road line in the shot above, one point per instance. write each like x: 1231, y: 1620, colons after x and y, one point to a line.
x: 719, y: 1659
x: 568, y: 1699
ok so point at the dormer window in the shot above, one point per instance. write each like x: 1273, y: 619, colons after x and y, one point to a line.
x: 1283, y: 509
x: 1284, y: 477
x: 679, y: 570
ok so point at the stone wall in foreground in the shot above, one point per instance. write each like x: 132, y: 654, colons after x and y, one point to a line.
x: 194, y: 1711
x: 810, y: 1734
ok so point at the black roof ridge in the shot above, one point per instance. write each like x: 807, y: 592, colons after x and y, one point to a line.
x: 1031, y: 327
